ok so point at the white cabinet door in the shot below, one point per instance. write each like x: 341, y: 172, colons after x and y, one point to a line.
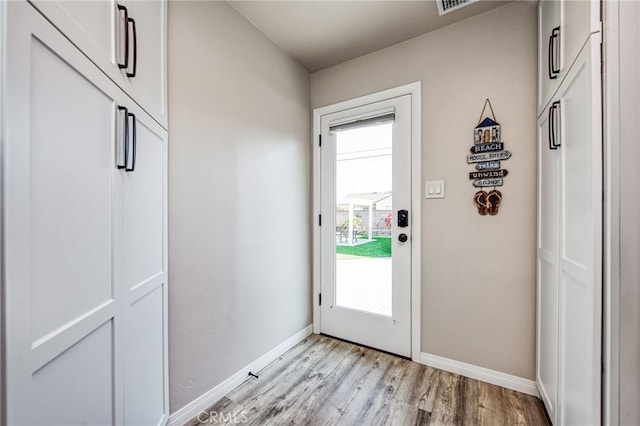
x: 141, y: 270
x: 579, y: 20
x: 100, y: 30
x: 549, y: 17
x: 91, y: 25
x: 581, y: 236
x: 564, y: 27
x: 63, y: 362
x: 149, y: 84
x: 547, y: 264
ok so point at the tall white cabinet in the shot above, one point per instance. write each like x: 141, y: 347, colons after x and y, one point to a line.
x: 569, y: 249
x: 84, y: 216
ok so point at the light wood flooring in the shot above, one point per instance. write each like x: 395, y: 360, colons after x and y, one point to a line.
x: 324, y: 381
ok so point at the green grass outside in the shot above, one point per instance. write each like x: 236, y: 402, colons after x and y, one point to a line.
x: 379, y: 247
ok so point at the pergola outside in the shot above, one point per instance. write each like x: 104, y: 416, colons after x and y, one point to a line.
x: 364, y: 199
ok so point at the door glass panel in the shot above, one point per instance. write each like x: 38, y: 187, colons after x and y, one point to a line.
x: 364, y: 217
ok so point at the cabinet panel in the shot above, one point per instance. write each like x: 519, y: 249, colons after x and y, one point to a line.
x: 578, y: 169
x: 547, y: 356
x: 77, y: 387
x: 548, y: 188
x: 143, y: 198
x: 579, y: 378
x: 74, y: 223
x: 89, y: 24
x: 145, y: 354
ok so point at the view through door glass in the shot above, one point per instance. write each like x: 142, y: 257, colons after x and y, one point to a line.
x: 364, y: 218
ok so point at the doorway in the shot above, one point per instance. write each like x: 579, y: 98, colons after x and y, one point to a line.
x: 367, y: 224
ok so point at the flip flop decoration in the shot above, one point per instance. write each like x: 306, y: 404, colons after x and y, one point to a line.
x: 487, y: 154
x: 494, y: 198
x: 480, y: 201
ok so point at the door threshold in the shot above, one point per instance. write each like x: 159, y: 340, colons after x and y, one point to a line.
x: 367, y: 347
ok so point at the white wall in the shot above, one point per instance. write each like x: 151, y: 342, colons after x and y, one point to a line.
x: 239, y: 196
x: 478, y: 281
x: 629, y: 214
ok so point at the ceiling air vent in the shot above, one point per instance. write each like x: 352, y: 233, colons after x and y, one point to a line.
x: 446, y: 6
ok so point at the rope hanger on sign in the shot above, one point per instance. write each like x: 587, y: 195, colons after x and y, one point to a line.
x: 487, y: 102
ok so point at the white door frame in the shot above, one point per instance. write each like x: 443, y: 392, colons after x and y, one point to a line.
x: 415, y: 90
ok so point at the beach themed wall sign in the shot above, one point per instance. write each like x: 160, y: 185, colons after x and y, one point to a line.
x: 487, y: 153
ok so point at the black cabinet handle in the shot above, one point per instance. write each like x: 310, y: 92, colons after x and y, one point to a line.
x: 555, y: 107
x: 553, y: 125
x: 135, y: 47
x: 134, y: 135
x: 555, y: 33
x: 551, y: 145
x: 553, y: 53
x: 550, y: 62
x: 126, y: 38
x: 126, y: 137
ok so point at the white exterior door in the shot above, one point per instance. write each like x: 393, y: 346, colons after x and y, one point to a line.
x: 365, y: 186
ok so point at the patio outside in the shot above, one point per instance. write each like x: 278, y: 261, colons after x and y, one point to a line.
x: 363, y: 219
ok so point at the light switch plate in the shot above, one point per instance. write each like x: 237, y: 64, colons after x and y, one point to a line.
x: 434, y: 189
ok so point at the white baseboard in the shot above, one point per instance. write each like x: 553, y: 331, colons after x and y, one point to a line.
x: 191, y: 410
x: 480, y: 373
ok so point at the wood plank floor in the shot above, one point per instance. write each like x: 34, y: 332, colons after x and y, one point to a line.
x: 324, y: 381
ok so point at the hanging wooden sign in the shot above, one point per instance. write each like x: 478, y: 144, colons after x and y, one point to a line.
x: 487, y: 153
x: 487, y: 182
x: 487, y: 156
x: 488, y: 174
x: 488, y: 165
x: 487, y: 147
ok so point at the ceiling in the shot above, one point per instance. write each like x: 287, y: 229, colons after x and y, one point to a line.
x: 320, y: 34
